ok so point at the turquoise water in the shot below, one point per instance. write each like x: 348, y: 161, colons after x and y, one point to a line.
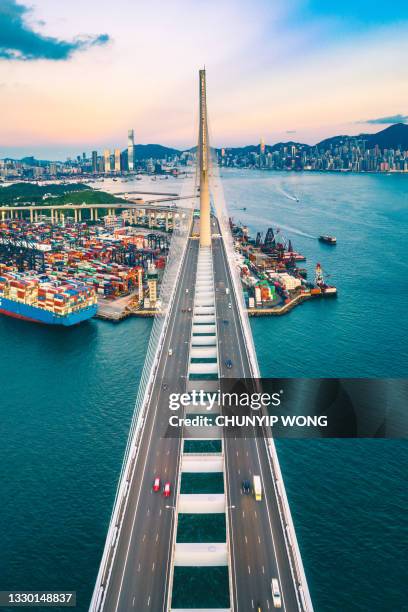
x: 67, y: 398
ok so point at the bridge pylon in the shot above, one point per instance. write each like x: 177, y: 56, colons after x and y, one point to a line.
x: 205, y: 226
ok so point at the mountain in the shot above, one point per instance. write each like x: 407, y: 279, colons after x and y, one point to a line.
x: 154, y: 151
x: 392, y: 137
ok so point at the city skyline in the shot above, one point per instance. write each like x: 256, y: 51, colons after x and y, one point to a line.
x: 284, y: 73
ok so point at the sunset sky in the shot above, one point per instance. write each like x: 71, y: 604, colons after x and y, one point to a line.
x: 76, y: 75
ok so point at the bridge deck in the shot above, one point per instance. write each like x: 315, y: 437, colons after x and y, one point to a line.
x: 139, y: 579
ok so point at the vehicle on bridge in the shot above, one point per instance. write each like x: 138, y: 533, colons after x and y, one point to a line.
x: 228, y: 363
x: 167, y: 490
x: 246, y: 487
x: 170, y: 352
x: 257, y: 488
x: 156, y: 484
x: 276, y: 596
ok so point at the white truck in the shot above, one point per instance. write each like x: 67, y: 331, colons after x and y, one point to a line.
x: 257, y: 487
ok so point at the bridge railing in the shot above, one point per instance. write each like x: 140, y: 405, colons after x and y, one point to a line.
x: 292, y: 547
x: 168, y: 287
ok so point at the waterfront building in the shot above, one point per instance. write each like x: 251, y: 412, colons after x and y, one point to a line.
x: 131, y: 151
x: 117, y: 160
x: 107, y: 160
x: 94, y: 162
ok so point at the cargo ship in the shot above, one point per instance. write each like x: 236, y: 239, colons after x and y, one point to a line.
x: 38, y: 299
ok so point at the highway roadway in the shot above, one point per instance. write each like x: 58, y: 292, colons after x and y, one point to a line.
x: 258, y: 551
x: 140, y: 575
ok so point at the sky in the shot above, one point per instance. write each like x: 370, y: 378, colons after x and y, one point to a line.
x: 75, y: 76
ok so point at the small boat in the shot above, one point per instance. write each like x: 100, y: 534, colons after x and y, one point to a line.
x: 328, y: 239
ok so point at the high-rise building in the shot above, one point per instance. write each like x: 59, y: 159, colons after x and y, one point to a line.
x: 117, y: 160
x: 262, y: 146
x: 94, y: 162
x: 131, y: 150
x: 107, y: 160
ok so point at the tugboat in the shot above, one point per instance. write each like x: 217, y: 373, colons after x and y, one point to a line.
x: 328, y: 239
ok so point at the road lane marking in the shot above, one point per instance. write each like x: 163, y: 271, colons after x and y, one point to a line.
x: 249, y: 569
x: 269, y: 517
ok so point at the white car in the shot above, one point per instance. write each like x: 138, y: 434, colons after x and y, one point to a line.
x: 276, y: 596
x: 170, y: 352
x: 229, y: 305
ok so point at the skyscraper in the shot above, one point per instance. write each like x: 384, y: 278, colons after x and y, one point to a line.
x: 131, y: 151
x: 107, y: 160
x: 117, y: 160
x: 262, y: 146
x: 94, y: 162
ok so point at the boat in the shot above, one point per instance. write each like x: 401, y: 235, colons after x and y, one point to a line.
x: 328, y: 239
x: 29, y: 312
x: 40, y: 300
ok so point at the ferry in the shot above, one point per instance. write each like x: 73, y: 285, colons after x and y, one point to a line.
x: 328, y: 239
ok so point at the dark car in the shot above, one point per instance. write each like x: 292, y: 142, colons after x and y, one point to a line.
x: 226, y: 322
x: 246, y: 487
x: 228, y: 363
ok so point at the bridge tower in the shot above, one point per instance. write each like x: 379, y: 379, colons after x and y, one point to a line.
x: 205, y: 227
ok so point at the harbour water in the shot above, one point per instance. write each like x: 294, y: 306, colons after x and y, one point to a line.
x: 68, y: 395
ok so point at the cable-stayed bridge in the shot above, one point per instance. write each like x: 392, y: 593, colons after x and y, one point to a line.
x: 207, y: 545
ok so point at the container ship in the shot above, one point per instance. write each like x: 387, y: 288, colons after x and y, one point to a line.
x: 38, y: 299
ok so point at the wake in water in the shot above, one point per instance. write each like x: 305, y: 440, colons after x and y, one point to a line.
x: 294, y: 230
x: 286, y: 194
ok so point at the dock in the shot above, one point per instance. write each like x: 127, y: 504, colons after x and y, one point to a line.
x: 281, y: 310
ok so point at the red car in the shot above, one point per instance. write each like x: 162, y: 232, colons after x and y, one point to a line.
x: 156, y: 484
x: 166, y: 490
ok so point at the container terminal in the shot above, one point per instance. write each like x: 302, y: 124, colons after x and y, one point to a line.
x: 272, y: 280
x: 64, y: 273
x: 120, y: 264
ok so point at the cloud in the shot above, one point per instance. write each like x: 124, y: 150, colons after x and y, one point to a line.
x: 387, y: 120
x: 291, y: 131
x: 18, y: 41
